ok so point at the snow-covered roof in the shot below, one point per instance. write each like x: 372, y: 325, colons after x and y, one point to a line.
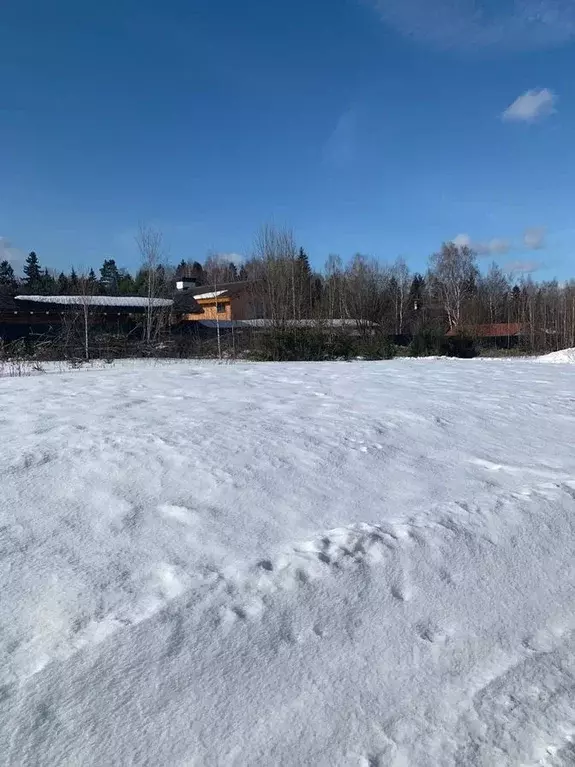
x: 213, y: 294
x: 120, y: 301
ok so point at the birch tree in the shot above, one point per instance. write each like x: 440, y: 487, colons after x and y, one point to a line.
x: 454, y: 271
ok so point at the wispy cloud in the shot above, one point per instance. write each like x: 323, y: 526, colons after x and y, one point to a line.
x: 534, y: 238
x: 522, y: 267
x: 495, y: 246
x: 468, y: 24
x: 341, y: 146
x: 531, y: 106
x: 14, y: 256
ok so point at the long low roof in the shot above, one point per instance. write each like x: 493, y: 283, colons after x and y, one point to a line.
x: 335, y: 323
x: 111, y: 301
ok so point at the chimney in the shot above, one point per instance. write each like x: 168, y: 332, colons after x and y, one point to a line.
x: 186, y: 283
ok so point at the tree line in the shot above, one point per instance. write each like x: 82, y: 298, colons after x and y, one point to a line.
x: 452, y: 294
x: 112, y: 280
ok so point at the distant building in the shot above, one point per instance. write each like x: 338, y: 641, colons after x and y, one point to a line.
x: 227, y: 302
x: 502, y: 334
x: 23, y: 315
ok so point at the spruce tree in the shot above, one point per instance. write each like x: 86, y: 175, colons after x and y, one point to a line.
x: 198, y: 274
x: 47, y: 283
x: 181, y: 269
x: 243, y: 273
x: 416, y: 290
x: 63, y: 284
x: 303, y: 263
x: 125, y: 283
x: 33, y: 273
x: 7, y: 276
x: 140, y: 283
x: 109, y: 276
x: 92, y: 283
x: 303, y: 283
x: 74, y: 282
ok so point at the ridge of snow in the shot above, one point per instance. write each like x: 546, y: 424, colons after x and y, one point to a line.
x: 561, y: 356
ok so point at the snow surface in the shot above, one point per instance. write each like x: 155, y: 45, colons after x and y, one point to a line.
x: 564, y: 355
x: 302, y: 564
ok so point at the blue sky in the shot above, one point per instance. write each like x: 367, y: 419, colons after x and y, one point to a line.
x: 373, y: 126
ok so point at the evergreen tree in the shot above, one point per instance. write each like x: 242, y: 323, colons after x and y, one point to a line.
x: 7, y: 277
x: 109, y: 277
x: 181, y: 269
x: 140, y: 285
x: 33, y: 273
x: 197, y: 273
x: 232, y: 272
x: 125, y: 283
x: 303, y: 264
x: 74, y: 282
x: 416, y: 291
x: 48, y: 283
x: 63, y: 284
x: 243, y: 273
x: 302, y: 286
x: 316, y: 290
x: 92, y: 284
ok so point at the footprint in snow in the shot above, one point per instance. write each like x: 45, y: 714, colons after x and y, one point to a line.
x: 428, y: 631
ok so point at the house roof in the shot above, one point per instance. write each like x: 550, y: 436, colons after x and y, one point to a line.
x: 213, y: 294
x: 185, y: 303
x: 122, y: 302
x: 225, y: 289
x: 497, y: 330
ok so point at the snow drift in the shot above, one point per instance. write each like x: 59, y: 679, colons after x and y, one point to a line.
x: 367, y: 564
x: 564, y: 355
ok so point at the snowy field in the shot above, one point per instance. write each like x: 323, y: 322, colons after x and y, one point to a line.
x: 367, y: 564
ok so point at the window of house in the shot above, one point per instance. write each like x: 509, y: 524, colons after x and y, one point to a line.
x: 221, y: 308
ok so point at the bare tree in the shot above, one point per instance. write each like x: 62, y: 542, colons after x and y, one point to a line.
x: 494, y: 290
x: 274, y: 269
x: 150, y: 243
x: 400, y: 273
x: 454, y: 271
x: 86, y: 292
x: 334, y: 288
x: 364, y: 293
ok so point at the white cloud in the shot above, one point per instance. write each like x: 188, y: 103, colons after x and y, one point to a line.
x: 14, y: 256
x: 530, y: 106
x: 462, y: 241
x: 469, y: 24
x: 494, y: 246
x: 534, y: 238
x: 522, y: 267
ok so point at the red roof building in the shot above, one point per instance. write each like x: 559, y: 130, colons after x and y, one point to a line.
x: 497, y: 330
